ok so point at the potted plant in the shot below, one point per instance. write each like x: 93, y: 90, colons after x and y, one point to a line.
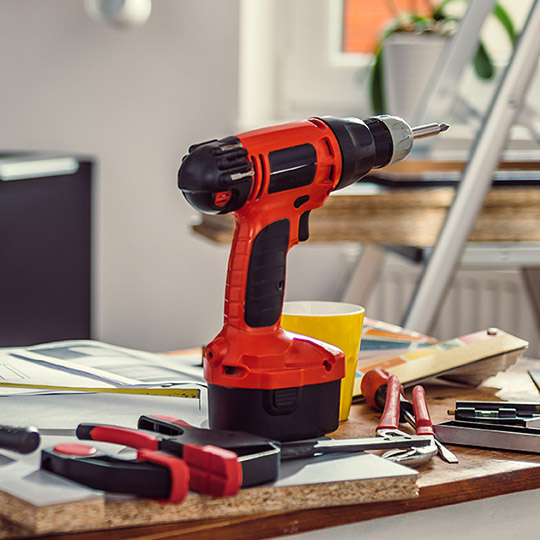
x: 434, y: 21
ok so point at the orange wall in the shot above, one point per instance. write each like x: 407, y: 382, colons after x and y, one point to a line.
x: 364, y: 20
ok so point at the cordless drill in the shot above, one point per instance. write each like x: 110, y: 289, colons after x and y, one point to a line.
x: 262, y: 379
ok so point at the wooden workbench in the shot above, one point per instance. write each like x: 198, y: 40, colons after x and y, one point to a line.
x: 480, y: 474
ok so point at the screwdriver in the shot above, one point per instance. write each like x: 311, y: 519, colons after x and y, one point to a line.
x: 19, y: 439
x: 374, y: 391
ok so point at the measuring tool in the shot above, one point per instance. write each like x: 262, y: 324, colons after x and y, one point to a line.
x: 162, y: 390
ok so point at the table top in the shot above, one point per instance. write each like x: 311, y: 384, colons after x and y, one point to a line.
x: 480, y: 473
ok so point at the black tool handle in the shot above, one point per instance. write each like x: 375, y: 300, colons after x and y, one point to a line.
x: 19, y: 439
x: 144, y: 477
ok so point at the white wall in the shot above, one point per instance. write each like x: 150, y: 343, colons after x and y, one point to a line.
x: 135, y: 99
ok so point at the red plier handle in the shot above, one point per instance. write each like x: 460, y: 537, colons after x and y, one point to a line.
x: 390, y: 415
x: 424, y: 426
x: 212, y: 470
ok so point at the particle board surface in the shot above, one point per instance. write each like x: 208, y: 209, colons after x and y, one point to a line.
x: 43, y: 503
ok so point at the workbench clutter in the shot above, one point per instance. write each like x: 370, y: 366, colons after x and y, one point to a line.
x: 73, y: 484
x: 309, y: 473
x: 161, y: 469
x: 82, y: 469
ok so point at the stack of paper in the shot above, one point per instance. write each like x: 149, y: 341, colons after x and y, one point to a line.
x: 86, y: 365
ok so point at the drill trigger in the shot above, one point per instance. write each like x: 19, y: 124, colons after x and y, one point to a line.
x: 303, y: 226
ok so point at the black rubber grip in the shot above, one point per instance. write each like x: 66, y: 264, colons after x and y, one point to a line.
x: 112, y: 474
x: 84, y: 431
x: 19, y: 439
x: 265, y: 286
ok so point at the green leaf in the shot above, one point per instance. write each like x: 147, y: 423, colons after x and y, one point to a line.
x: 438, y: 12
x: 482, y: 63
x: 378, y: 102
x: 502, y: 16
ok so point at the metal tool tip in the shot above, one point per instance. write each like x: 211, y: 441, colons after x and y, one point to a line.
x: 428, y: 130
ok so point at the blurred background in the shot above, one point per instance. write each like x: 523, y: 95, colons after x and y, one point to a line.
x: 133, y: 96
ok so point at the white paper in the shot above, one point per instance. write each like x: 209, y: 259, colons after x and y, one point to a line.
x: 93, y: 364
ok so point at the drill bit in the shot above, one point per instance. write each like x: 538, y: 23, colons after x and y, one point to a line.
x: 427, y: 130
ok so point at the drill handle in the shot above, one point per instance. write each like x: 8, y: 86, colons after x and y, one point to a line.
x: 256, y: 276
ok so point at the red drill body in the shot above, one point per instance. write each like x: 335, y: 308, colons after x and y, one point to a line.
x: 289, y: 180
x: 261, y: 378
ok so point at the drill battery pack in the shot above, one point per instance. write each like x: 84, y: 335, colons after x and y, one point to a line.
x: 273, y: 383
x: 283, y: 414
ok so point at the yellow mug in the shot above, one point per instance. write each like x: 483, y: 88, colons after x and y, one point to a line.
x: 337, y: 323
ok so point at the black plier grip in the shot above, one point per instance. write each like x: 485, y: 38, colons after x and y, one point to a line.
x: 152, y: 474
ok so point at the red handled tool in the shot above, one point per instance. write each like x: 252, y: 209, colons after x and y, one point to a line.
x: 173, y: 456
x: 262, y: 379
x: 163, y: 468
x: 374, y: 389
x: 389, y: 426
x: 259, y: 457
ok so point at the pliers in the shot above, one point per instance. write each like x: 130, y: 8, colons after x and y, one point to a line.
x: 389, y: 425
x: 374, y: 389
